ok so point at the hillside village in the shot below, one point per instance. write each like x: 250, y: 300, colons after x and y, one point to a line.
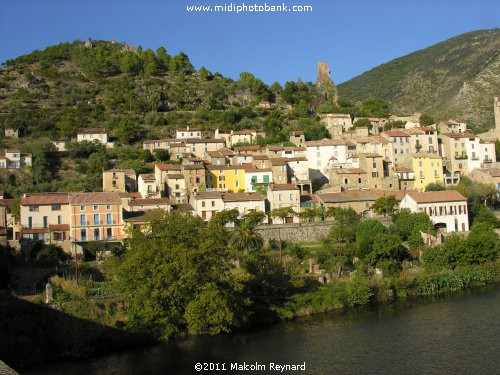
x: 228, y: 170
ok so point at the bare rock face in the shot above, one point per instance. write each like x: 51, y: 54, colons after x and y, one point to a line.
x: 325, y: 85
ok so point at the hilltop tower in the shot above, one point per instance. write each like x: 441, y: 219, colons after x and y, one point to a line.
x: 325, y: 85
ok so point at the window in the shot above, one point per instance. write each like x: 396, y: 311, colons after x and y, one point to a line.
x: 237, y: 184
x: 109, y: 219
x: 96, y: 219
x: 374, y: 174
x: 236, y: 172
x: 59, y: 219
x: 430, y: 140
x: 202, y: 203
x: 96, y: 234
x: 374, y: 164
x: 83, y: 234
x: 108, y: 207
x: 96, y: 208
x: 109, y: 232
x: 421, y: 174
x: 280, y: 197
x: 359, y: 180
x: 30, y: 222
x: 222, y: 178
x: 56, y: 207
x: 291, y: 197
x: 82, y: 220
x: 346, y: 181
x: 435, y: 173
x: 82, y: 208
x: 213, y: 203
x: 266, y: 178
x: 33, y: 208
x: 177, y: 186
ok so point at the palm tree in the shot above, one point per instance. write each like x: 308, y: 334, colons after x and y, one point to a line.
x: 244, y: 238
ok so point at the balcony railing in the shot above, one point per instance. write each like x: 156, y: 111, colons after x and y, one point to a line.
x: 475, y: 158
x: 488, y: 161
x: 461, y: 157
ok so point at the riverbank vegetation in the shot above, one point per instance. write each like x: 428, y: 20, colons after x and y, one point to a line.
x: 180, y: 275
x: 183, y: 275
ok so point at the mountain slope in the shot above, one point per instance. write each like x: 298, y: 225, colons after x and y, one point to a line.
x: 455, y: 78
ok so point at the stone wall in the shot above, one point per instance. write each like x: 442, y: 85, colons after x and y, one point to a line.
x: 298, y: 232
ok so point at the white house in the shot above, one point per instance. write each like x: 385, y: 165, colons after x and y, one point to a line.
x: 447, y: 209
x: 207, y: 204
x: 319, y: 153
x: 91, y: 135
x: 147, y: 186
x: 185, y: 133
x: 257, y: 177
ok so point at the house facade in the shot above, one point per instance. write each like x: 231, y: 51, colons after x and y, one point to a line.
x: 447, y: 209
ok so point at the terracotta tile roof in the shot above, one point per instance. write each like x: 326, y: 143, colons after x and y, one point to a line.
x: 247, y: 148
x: 326, y: 142
x: 459, y: 135
x: 147, y: 177
x: 243, y: 132
x: 150, y: 202
x: 203, y: 140
x: 493, y: 172
x: 135, y: 195
x: 437, y: 196
x: 294, y: 148
x: 274, y: 148
x: 350, y: 196
x: 168, y: 167
x: 396, y: 133
x: 260, y: 157
x: 295, y: 132
x: 188, y: 130
x: 278, y: 187
x: 239, y: 197
x: 94, y: 198
x: 192, y: 167
x: 45, y: 199
x: 277, y: 161
x: 7, y: 202
x: 59, y: 227
x: 208, y: 195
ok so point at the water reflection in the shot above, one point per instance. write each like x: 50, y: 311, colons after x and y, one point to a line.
x: 453, y: 335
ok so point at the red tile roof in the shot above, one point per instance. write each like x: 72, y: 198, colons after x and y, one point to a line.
x: 150, y: 202
x: 168, y: 167
x: 45, y: 199
x: 326, y: 142
x: 396, y: 133
x: 437, y: 196
x: 94, y: 198
x: 277, y: 187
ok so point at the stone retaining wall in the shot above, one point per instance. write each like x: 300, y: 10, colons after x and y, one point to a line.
x: 298, y: 232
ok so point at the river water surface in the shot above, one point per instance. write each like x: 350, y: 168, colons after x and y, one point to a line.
x: 459, y: 334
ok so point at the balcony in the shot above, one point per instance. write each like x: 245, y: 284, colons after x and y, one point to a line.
x: 474, y: 158
x: 461, y: 157
x: 487, y: 161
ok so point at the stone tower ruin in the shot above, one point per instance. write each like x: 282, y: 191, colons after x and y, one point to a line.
x: 325, y: 85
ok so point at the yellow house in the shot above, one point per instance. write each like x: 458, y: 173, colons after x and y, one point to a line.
x: 427, y: 168
x: 229, y: 178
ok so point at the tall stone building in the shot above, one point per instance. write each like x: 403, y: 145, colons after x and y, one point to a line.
x: 325, y: 85
x: 496, y: 108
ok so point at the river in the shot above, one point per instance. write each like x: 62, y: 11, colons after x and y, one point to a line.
x: 458, y: 334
